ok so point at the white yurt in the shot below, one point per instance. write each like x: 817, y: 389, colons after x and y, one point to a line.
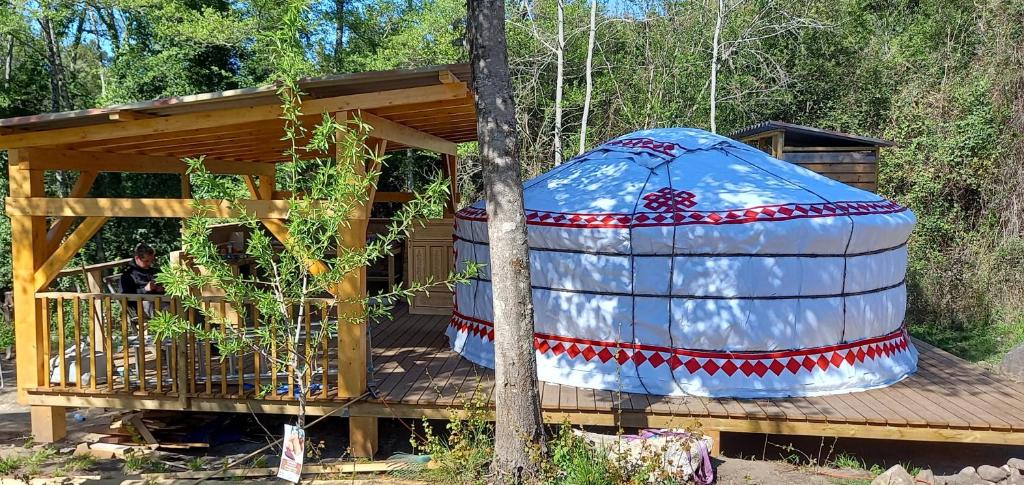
x: 679, y: 262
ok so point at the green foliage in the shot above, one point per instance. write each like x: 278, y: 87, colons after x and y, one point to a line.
x: 940, y: 78
x: 577, y: 462
x: 10, y: 464
x: 463, y: 456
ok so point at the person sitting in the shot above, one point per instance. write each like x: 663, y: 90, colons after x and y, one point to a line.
x: 139, y: 275
x: 139, y: 278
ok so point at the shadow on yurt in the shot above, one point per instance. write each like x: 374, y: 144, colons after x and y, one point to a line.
x: 679, y: 262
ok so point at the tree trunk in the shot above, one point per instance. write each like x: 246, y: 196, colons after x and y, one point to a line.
x: 559, y: 76
x: 590, y: 76
x: 714, y: 64
x: 339, y: 32
x: 517, y: 407
x: 9, y: 62
x: 51, y: 55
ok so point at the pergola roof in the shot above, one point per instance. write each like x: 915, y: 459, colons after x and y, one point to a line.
x: 429, y: 108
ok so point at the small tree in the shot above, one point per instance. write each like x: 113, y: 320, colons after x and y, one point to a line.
x: 325, y: 191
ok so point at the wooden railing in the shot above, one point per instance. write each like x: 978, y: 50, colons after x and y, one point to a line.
x: 100, y: 343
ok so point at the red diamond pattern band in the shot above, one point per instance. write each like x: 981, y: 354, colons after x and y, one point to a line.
x: 768, y: 213
x: 707, y: 362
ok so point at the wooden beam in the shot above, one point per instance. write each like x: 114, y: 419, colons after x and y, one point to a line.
x: 28, y: 249
x: 362, y: 436
x: 447, y: 77
x: 451, y: 164
x: 129, y: 116
x: 55, y: 263
x: 386, y: 129
x: 52, y: 159
x: 208, y: 119
x: 350, y: 295
x: 393, y: 197
x: 124, y: 207
x: 60, y: 227
x: 49, y: 423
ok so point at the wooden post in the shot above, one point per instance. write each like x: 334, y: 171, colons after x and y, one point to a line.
x: 362, y: 436
x: 716, y: 441
x: 28, y: 250
x: 451, y: 162
x: 352, y: 347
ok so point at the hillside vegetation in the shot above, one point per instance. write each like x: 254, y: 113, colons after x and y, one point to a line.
x: 942, y: 79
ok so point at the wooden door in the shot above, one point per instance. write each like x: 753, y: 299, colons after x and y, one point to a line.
x: 431, y: 256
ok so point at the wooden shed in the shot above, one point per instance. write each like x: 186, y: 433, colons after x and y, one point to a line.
x: 850, y: 159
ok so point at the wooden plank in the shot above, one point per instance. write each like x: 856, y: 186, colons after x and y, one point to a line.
x: 109, y: 335
x: 125, y: 207
x: 397, y: 360
x: 386, y: 129
x: 76, y: 320
x: 94, y: 161
x: 55, y: 235
x: 60, y: 257
x: 28, y: 249
x: 125, y: 379
x: 417, y: 361
x: 210, y: 119
x: 985, y: 401
x: 868, y: 168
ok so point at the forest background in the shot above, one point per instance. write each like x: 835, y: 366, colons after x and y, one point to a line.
x: 943, y: 79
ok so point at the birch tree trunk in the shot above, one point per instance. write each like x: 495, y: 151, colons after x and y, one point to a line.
x: 590, y: 76
x: 559, y: 77
x: 714, y: 63
x: 517, y: 407
x: 9, y: 61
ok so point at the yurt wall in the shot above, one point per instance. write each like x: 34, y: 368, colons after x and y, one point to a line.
x: 850, y: 159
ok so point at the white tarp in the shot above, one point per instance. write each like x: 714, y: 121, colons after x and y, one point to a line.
x: 675, y: 261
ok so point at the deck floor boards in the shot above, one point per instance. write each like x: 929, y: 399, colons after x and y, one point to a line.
x: 418, y: 368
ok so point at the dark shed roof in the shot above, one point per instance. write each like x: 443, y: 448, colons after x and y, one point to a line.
x: 800, y: 135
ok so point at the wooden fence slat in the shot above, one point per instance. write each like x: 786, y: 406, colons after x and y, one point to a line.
x: 93, y: 375
x: 158, y: 351
x: 140, y: 344
x: 125, y: 352
x: 257, y: 361
x: 60, y: 342
x: 76, y: 320
x: 109, y: 338
x: 47, y: 324
x: 209, y: 349
x: 241, y: 362
x: 223, y: 320
x: 310, y: 360
x: 325, y: 338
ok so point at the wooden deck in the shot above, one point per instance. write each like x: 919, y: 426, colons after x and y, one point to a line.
x: 948, y: 399
x: 416, y: 375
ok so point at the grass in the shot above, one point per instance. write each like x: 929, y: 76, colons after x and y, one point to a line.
x: 77, y: 463
x: 138, y: 462
x: 195, y: 464
x: 10, y: 464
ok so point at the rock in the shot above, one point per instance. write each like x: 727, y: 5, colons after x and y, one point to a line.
x: 896, y: 475
x: 992, y: 474
x: 925, y: 476
x: 1013, y: 363
x: 1016, y: 463
x: 1015, y: 480
x: 967, y: 470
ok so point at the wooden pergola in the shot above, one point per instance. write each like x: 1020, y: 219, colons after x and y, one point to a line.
x: 238, y: 132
